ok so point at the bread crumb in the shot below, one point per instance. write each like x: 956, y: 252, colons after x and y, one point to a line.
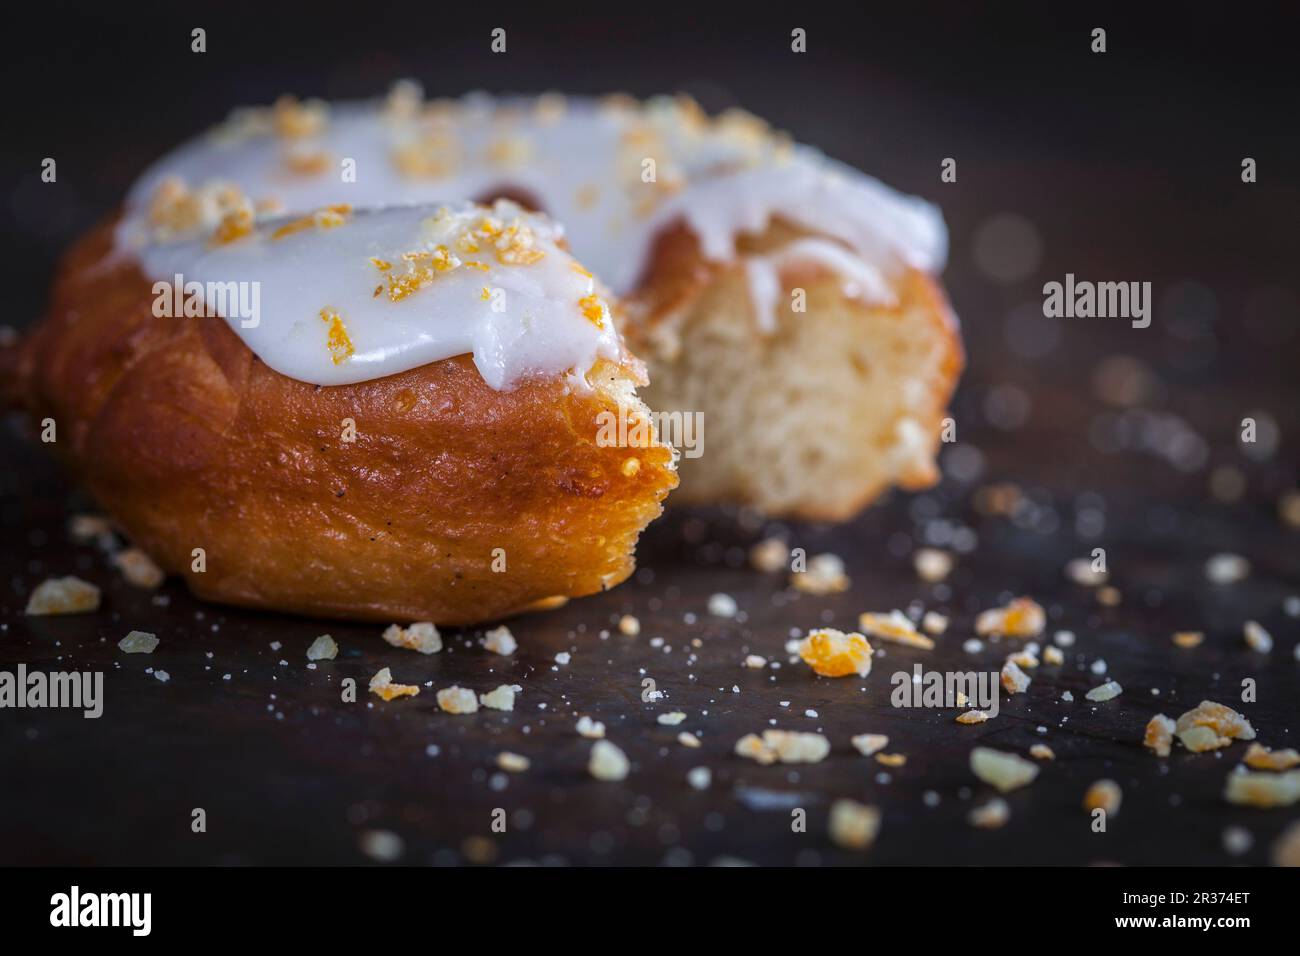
x: 896, y: 627
x: 770, y: 555
x: 591, y: 729
x: 688, y: 739
x: 499, y: 640
x: 723, y: 605
x: 382, y: 686
x: 629, y: 625
x: 868, y: 744
x: 85, y: 528
x: 67, y: 595
x: 1257, y: 638
x: 972, y: 717
x: 1188, y: 639
x: 1107, y: 691
x: 1023, y: 617
x: 138, y: 642
x: 1226, y: 568
x: 891, y: 760
x: 323, y: 649
x: 932, y: 565
x: 787, y: 746
x: 1209, y: 726
x: 1159, y: 735
x: 607, y: 762
x: 1103, y: 795
x: 512, y: 762
x: 457, y: 700
x: 671, y: 719
x: 1014, y: 680
x: 1249, y: 789
x: 1053, y: 656
x: 824, y: 575
x: 991, y: 815
x: 699, y: 778
x: 853, y: 825
x: 1004, y: 771
x: 1260, y: 757
x: 1042, y: 752
x: 138, y: 569
x: 503, y: 698
x: 1081, y: 572
x: 421, y: 636
x: 934, y: 623
x: 755, y: 662
x: 833, y: 653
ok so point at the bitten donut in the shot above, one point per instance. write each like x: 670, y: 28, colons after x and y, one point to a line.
x: 800, y: 351
x: 396, y: 416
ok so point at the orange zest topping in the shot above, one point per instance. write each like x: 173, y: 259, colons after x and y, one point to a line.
x: 328, y: 218
x: 594, y: 309
x: 338, y: 341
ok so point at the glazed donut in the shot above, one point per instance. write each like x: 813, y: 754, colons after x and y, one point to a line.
x: 304, y: 351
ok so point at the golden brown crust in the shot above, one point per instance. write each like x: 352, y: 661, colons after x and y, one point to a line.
x: 191, y: 442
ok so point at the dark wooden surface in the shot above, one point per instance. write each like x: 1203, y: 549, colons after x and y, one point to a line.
x: 287, y: 773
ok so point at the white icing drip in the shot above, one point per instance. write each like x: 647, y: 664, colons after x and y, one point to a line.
x: 862, y: 279
x: 539, y: 328
x: 583, y: 163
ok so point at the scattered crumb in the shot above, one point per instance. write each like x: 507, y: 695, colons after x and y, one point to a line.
x: 1081, y: 571
x: 1188, y: 639
x: 421, y: 636
x: 138, y: 642
x: 138, y: 569
x: 67, y: 595
x: 514, y: 763
x: 1237, y: 841
x: 1226, y: 568
x: 84, y: 528
x: 629, y: 626
x: 896, y: 627
x: 1053, y: 656
x: 499, y: 640
x: 853, y: 825
x: 1286, y: 851
x: 671, y: 719
x: 1107, y: 691
x: 787, y: 746
x: 1260, y: 757
x: 688, y: 739
x: 868, y: 744
x: 932, y: 565
x: 755, y: 662
x: 1103, y: 795
x: 323, y: 648
x: 162, y: 676
x: 1259, y: 639
x: 503, y: 698
x: 591, y: 729
x: 607, y: 762
x: 458, y: 700
x: 1263, y: 789
x: 723, y: 605
x: 1108, y: 596
x: 1014, y: 680
x: 699, y: 778
x: 825, y: 575
x: 972, y: 717
x: 832, y: 653
x: 1023, y: 617
x: 891, y: 760
x: 382, y: 686
x: 1042, y: 752
x: 934, y: 623
x: 382, y: 845
x: 1159, y: 735
x: 1002, y: 770
x: 1209, y: 726
x: 770, y: 555
x: 991, y: 815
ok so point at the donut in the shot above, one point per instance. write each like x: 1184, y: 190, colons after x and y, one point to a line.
x: 378, y: 360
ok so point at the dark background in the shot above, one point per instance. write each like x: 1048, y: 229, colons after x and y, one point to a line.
x: 1126, y: 166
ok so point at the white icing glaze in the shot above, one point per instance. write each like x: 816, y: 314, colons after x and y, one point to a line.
x: 583, y: 161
